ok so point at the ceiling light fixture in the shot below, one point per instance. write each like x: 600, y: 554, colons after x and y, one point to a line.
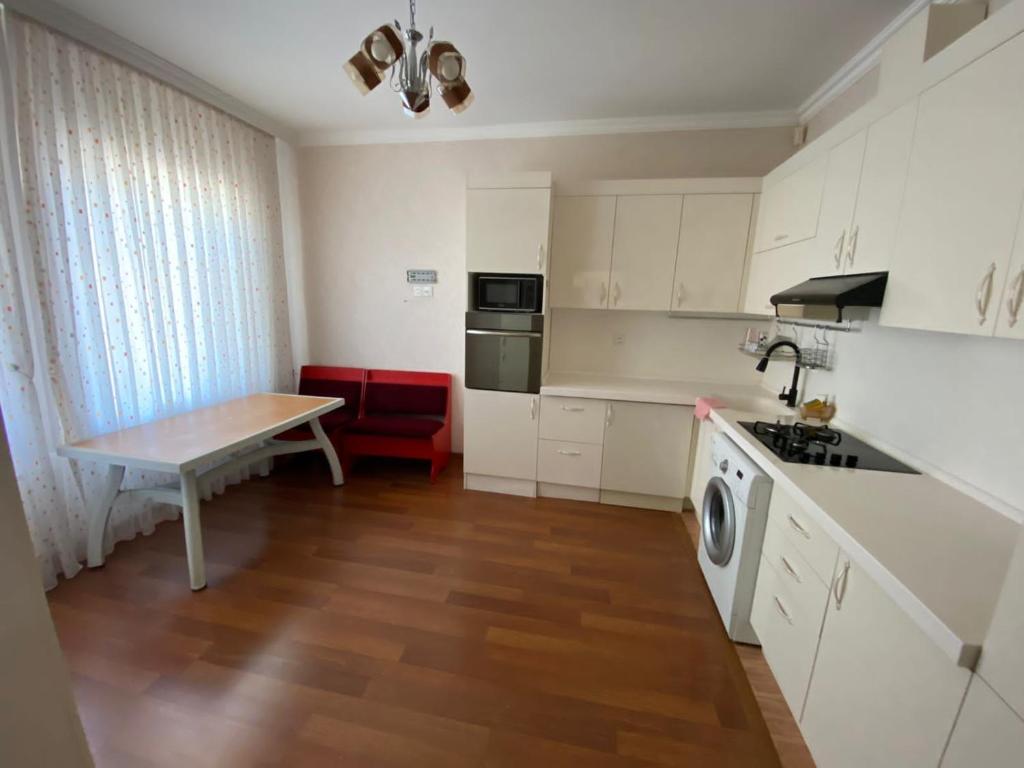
x: 412, y: 72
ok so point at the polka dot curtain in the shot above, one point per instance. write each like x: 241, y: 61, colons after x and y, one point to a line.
x: 141, y: 270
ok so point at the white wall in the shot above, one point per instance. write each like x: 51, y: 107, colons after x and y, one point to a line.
x: 651, y: 345
x: 39, y: 723
x: 371, y: 212
x: 948, y: 400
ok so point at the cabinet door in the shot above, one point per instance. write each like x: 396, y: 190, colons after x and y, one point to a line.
x: 1010, y: 322
x: 881, y: 693
x: 646, y: 448
x: 644, y: 251
x: 1002, y: 658
x: 987, y: 734
x: 775, y: 270
x: 837, y: 204
x: 712, y: 252
x: 581, y: 251
x: 790, y: 206
x: 882, y: 178
x: 507, y: 230
x: 500, y: 434
x: 962, y: 200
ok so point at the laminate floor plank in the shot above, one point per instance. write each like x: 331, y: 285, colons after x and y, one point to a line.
x: 392, y: 622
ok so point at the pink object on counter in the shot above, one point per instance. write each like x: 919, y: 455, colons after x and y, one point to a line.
x: 704, y: 406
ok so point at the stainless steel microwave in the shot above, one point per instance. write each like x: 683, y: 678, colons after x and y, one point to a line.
x: 507, y: 293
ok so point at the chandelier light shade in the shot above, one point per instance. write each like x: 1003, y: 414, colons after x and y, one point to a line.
x: 412, y: 72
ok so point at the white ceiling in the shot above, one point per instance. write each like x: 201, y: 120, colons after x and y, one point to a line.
x: 529, y: 61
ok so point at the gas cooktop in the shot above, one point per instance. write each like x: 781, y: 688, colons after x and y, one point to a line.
x: 822, y: 446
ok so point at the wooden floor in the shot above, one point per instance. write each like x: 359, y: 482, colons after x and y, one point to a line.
x: 395, y: 623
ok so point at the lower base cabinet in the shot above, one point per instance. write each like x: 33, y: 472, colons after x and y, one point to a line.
x: 881, y: 693
x: 987, y: 734
x: 500, y: 441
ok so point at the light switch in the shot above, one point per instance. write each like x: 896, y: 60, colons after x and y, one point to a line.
x: 423, y: 290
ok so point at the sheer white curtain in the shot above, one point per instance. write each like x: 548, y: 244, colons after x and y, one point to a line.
x: 141, y: 269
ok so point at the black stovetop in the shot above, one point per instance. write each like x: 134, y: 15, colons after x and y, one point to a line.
x: 822, y: 446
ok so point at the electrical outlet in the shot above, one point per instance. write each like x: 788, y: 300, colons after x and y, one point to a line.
x: 423, y: 290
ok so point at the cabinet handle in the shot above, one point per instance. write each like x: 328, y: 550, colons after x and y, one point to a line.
x: 679, y: 295
x: 1016, y: 298
x: 795, y: 525
x: 837, y: 250
x: 851, y: 252
x: 984, y: 293
x: 782, y: 609
x: 604, y: 294
x: 839, y: 586
x: 780, y: 238
x: 609, y: 415
x: 533, y: 408
x: 573, y: 408
x: 616, y: 294
x: 564, y: 452
x: 540, y: 256
x: 790, y: 569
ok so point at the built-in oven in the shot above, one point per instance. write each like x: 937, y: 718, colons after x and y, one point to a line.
x: 503, y: 351
x: 506, y: 293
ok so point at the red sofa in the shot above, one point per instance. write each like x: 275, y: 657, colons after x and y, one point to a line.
x: 404, y: 414
x: 386, y: 413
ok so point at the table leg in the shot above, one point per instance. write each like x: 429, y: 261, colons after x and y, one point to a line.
x: 101, y: 514
x: 329, y: 452
x: 193, y: 531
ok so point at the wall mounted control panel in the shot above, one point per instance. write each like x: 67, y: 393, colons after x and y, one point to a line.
x: 421, y: 276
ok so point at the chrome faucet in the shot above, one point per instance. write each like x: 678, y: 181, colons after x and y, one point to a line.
x: 762, y: 365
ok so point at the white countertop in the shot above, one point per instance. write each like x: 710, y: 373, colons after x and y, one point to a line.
x: 651, y: 390
x: 941, y: 555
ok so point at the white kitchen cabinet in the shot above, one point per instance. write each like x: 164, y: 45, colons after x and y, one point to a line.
x: 700, y: 462
x: 962, y: 201
x: 987, y: 734
x: 500, y: 434
x: 507, y: 230
x: 1010, y: 322
x: 581, y: 251
x: 576, y: 419
x: 644, y: 251
x: 712, y: 253
x: 881, y: 692
x: 568, y: 463
x: 838, y: 201
x: 775, y: 270
x: 880, y: 192
x: 1002, y: 655
x: 790, y: 205
x: 646, y: 448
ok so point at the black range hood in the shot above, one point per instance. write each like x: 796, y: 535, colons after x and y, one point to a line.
x: 866, y: 289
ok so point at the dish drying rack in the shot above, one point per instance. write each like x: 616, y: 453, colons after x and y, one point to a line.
x: 816, y: 358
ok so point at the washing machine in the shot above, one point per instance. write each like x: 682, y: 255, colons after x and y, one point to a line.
x: 733, y: 516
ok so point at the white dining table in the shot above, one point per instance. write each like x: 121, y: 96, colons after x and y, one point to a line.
x: 237, y: 433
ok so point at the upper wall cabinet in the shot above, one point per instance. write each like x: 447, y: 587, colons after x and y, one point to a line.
x: 789, y: 207
x: 776, y: 270
x: 868, y: 246
x: 507, y: 230
x: 712, y: 253
x: 644, y: 251
x: 962, y: 202
x: 581, y: 251
x: 838, y: 201
x: 1010, y: 324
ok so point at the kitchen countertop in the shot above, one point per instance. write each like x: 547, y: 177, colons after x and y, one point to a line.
x: 939, y: 554
x: 651, y: 390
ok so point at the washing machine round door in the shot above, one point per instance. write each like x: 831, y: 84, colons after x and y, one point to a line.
x: 718, y: 522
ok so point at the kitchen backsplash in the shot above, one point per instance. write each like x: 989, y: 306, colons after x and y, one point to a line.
x: 650, y: 345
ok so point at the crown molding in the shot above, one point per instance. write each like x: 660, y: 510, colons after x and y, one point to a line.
x: 861, y: 63
x: 81, y: 29
x: 413, y: 135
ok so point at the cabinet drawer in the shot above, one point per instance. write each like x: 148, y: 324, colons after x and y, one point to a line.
x: 576, y: 419
x: 567, y: 463
x: 792, y: 568
x: 788, y: 632
x: 806, y: 536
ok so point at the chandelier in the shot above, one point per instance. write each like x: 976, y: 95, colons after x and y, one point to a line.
x: 412, y: 72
